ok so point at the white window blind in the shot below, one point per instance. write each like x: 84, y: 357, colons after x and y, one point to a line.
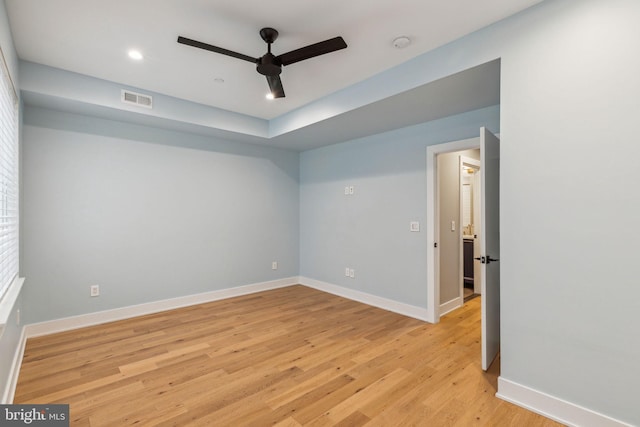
x: 8, y: 179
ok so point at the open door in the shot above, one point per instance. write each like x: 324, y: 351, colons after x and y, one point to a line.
x: 490, y: 246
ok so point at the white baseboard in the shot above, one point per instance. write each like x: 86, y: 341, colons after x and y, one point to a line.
x: 449, y: 306
x: 10, y: 388
x: 96, y: 318
x: 376, y: 301
x: 552, y: 407
x: 90, y: 319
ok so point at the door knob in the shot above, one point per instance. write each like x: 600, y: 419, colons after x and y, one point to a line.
x: 486, y: 260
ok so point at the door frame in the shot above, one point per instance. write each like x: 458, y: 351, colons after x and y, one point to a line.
x: 433, y: 229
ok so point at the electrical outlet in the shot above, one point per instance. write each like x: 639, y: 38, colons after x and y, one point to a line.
x: 352, y: 273
x: 274, y: 265
x: 351, y: 190
x: 414, y: 226
x: 95, y: 290
x: 346, y: 271
x: 346, y: 191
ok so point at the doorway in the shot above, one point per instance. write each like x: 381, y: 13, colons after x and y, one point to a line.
x: 489, y: 233
x: 433, y: 221
x: 455, y: 236
x: 470, y: 199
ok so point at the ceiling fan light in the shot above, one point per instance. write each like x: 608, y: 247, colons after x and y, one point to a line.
x: 135, y: 55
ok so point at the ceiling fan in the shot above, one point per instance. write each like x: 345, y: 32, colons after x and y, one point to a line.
x: 270, y: 65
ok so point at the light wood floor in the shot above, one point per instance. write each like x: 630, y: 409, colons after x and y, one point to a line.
x: 288, y: 357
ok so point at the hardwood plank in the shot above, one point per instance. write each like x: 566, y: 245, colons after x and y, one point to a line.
x: 289, y: 422
x: 348, y: 407
x: 289, y: 357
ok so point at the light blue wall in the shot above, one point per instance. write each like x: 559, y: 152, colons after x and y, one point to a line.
x: 369, y: 231
x: 90, y: 95
x: 148, y: 214
x: 568, y: 123
x: 569, y: 204
x: 568, y: 114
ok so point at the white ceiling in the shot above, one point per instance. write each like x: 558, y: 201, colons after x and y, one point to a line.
x: 93, y: 37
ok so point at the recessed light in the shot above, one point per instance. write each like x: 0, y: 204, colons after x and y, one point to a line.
x: 135, y: 54
x: 269, y: 96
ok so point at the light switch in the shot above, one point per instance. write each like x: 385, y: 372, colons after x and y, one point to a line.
x: 453, y: 226
x: 414, y: 226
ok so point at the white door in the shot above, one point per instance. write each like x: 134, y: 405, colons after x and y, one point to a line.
x: 490, y: 246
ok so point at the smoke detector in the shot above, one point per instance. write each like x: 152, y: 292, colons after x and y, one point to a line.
x: 401, y: 42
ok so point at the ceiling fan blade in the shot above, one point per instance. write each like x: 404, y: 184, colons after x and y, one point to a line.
x: 275, y: 85
x: 312, y: 50
x: 215, y: 49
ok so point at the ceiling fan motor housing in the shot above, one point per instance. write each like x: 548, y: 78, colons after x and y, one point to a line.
x: 269, y: 65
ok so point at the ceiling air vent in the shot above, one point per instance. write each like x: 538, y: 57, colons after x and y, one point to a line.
x: 138, y: 99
